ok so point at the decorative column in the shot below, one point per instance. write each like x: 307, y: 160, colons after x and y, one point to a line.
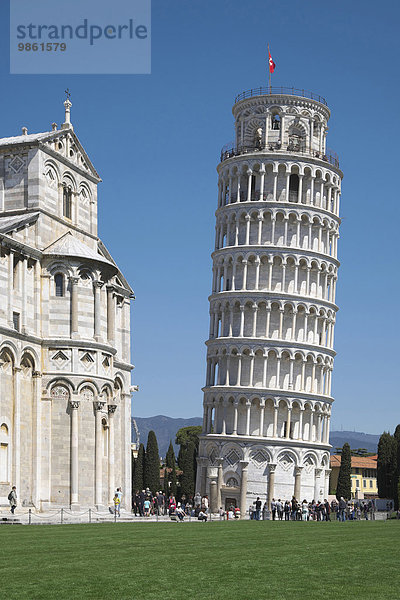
x: 275, y: 428
x: 262, y: 415
x: 17, y: 428
x: 248, y: 409
x: 297, y: 483
x: 262, y: 175
x: 111, y: 451
x: 10, y: 289
x: 36, y: 438
x: 111, y: 315
x: 300, y: 435
x: 317, y: 495
x: 271, y: 484
x: 275, y: 186
x: 97, y: 309
x: 24, y: 294
x: 289, y: 416
x: 239, y: 373
x: 249, y: 175
x: 74, y: 306
x: 327, y: 474
x: 235, y: 417
x: 243, y: 488
x: 213, y: 494
x: 98, y: 408
x: 37, y: 315
x: 74, y: 405
x: 220, y: 462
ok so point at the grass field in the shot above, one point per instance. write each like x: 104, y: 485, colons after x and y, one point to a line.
x: 245, y: 560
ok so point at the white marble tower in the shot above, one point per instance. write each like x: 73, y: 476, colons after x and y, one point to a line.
x: 267, y: 399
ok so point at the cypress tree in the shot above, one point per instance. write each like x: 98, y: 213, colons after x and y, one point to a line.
x: 152, y: 464
x: 170, y: 463
x: 344, y: 478
x: 189, y: 471
x: 138, y: 483
x: 387, y: 466
x: 396, y: 486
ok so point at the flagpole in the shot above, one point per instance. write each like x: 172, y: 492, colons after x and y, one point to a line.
x: 269, y: 71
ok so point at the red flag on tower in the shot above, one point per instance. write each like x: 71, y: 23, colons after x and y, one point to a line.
x: 271, y: 62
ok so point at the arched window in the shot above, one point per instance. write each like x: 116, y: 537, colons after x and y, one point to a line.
x: 275, y: 122
x: 67, y: 202
x: 293, y: 187
x: 59, y: 284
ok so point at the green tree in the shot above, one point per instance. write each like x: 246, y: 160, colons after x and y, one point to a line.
x: 387, y: 466
x: 184, y: 436
x: 396, y: 482
x: 188, y: 477
x: 344, y: 479
x: 138, y: 483
x: 170, y: 476
x: 152, y: 464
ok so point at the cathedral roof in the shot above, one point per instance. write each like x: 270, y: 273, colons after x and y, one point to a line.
x: 10, y: 224
x: 23, y: 139
x: 45, y: 141
x: 68, y: 245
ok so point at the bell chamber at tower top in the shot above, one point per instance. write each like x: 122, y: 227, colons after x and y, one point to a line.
x: 280, y: 152
x: 286, y: 121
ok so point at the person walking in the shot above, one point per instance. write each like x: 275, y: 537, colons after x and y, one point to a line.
x: 119, y: 494
x: 304, y: 510
x: 273, y: 508
x: 342, y: 509
x: 12, y: 498
x: 258, y: 509
x: 327, y: 510
x: 117, y: 504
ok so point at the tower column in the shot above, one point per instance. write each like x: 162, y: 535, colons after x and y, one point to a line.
x: 74, y: 306
x: 10, y: 288
x: 98, y: 408
x: 297, y: 482
x: 243, y: 488
x: 111, y: 451
x: 110, y: 315
x: 220, y: 462
x: 97, y: 309
x: 74, y: 405
x: 271, y: 484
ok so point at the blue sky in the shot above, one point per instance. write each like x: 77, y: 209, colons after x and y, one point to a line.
x: 155, y: 140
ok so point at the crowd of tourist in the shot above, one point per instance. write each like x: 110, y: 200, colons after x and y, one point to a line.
x: 146, y: 504
x: 294, y: 510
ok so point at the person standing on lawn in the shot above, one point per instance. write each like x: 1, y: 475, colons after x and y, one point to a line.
x: 258, y: 508
x: 117, y: 504
x: 12, y: 498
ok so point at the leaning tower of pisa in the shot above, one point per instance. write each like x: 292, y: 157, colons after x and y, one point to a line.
x: 267, y: 398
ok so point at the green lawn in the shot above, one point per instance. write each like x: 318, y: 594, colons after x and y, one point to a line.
x: 246, y: 560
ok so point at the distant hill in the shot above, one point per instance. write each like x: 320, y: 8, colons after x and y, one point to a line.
x: 356, y: 439
x: 166, y: 427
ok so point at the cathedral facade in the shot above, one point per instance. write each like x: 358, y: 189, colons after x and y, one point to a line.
x: 65, y: 371
x: 267, y: 399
